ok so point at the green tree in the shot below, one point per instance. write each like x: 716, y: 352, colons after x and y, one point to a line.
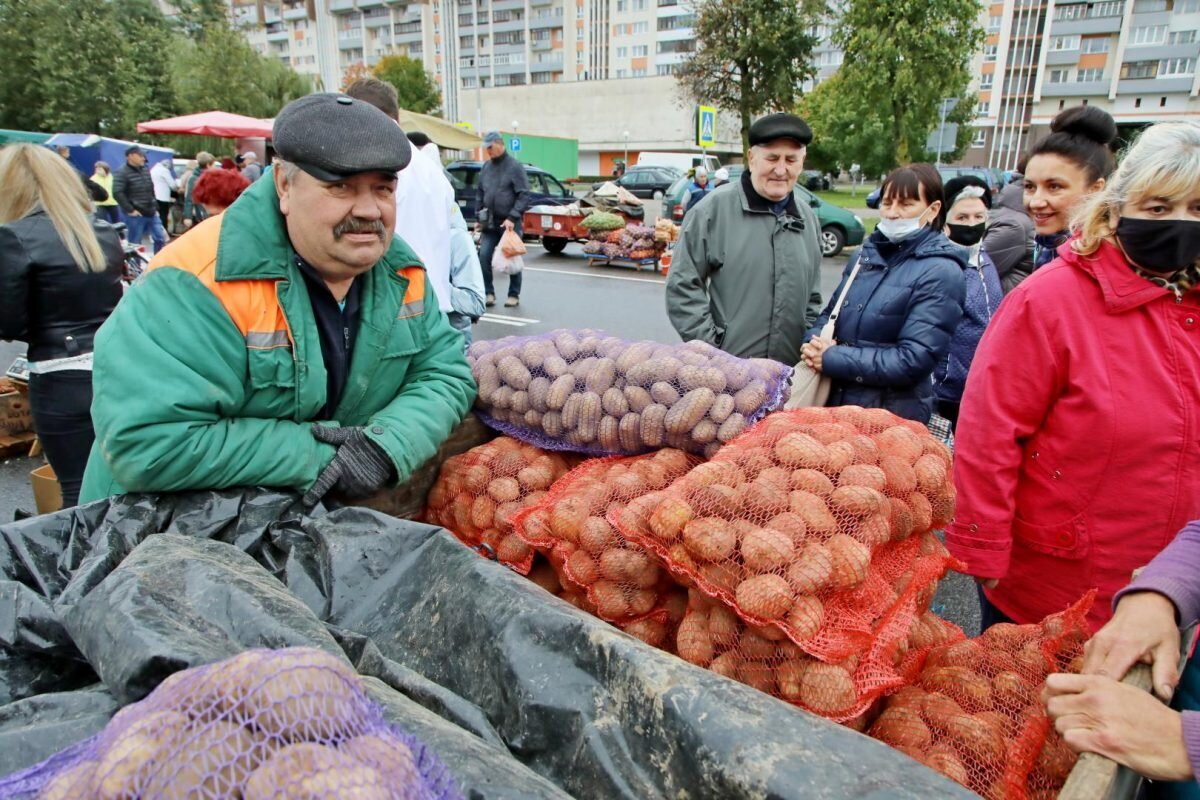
x: 752, y: 55
x: 902, y: 59
x: 225, y: 73
x: 417, y: 91
x: 145, y: 64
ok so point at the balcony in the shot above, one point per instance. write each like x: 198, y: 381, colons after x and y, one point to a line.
x: 541, y: 44
x: 299, y: 12
x: 508, y: 26
x: 365, y: 4
x: 1141, y: 19
x: 539, y: 23
x: 1087, y: 26
x: 278, y: 36
x: 350, y: 40
x: 1174, y: 84
x: 552, y: 65
x: 1059, y: 57
x: 1155, y: 52
x: 1075, y: 89
x: 382, y: 21
x: 336, y: 6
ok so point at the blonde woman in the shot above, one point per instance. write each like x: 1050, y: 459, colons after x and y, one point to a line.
x: 60, y: 278
x: 1078, y: 456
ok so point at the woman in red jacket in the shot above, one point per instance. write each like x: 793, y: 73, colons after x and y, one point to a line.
x: 1078, y: 449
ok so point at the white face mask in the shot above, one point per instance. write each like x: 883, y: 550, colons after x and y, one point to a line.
x: 897, y: 230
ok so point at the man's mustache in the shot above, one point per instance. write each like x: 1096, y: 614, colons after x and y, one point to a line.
x: 357, y: 225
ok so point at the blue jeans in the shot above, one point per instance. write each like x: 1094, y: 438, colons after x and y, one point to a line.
x: 137, y: 227
x: 487, y: 247
x: 989, y: 615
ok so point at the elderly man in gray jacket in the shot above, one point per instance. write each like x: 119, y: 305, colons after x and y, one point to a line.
x: 745, y: 276
x: 500, y: 197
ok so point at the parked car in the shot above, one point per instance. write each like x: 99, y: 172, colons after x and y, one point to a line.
x: 649, y: 182
x: 544, y: 188
x: 839, y: 228
x: 680, y: 161
x: 984, y: 174
x: 815, y: 180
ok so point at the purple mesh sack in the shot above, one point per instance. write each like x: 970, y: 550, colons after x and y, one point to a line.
x: 291, y: 724
x: 588, y: 392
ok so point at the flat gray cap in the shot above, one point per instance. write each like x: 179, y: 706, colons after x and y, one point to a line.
x: 331, y: 136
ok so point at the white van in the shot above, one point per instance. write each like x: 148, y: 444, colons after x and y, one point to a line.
x: 682, y: 161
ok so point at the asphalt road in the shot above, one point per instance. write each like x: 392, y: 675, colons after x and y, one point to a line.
x: 559, y: 291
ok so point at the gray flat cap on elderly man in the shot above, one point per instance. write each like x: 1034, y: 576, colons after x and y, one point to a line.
x: 312, y: 134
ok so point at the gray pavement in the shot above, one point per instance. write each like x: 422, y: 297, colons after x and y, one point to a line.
x: 559, y: 291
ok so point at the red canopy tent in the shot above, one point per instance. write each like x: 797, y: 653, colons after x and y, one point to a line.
x: 211, y: 123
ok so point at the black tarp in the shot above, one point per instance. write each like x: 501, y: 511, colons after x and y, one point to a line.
x: 520, y: 694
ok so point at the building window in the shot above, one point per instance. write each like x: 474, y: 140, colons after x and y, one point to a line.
x: 540, y: 77
x: 682, y: 22
x: 981, y: 110
x: 1147, y: 34
x: 638, y: 73
x: 985, y: 80
x: 1176, y: 67
x: 666, y: 69
x: 1069, y: 12
x: 1162, y: 102
x: 1187, y: 6
x: 1115, y: 8
x: 641, y: 27
x: 1139, y: 69
x: 994, y: 23
x: 1059, y: 75
x: 1151, y: 6
x: 640, y: 51
x: 989, y: 53
x: 1096, y: 44
x: 639, y: 5
x: 1064, y: 43
x: 620, y: 73
x: 621, y: 6
x: 1089, y: 75
x: 622, y: 52
x: 979, y: 139
x: 1182, y: 37
x: 682, y: 46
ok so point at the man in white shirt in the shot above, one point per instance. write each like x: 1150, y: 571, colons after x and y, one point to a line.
x: 163, y: 178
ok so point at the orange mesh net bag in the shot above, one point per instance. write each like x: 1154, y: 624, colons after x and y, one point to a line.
x: 478, y: 493
x: 974, y: 713
x: 622, y: 582
x: 786, y: 523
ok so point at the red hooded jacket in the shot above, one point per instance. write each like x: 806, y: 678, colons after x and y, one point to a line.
x: 1077, y: 456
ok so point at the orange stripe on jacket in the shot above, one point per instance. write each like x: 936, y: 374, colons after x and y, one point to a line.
x: 253, y: 305
x: 414, y: 295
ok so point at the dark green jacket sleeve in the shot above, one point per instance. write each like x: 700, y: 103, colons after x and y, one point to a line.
x: 687, y: 283
x: 169, y: 386
x: 438, y: 391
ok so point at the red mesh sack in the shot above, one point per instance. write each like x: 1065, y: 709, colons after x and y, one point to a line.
x: 478, y: 493
x: 588, y: 392
x: 974, y: 714
x: 784, y: 523
x: 263, y: 724
x: 623, y: 582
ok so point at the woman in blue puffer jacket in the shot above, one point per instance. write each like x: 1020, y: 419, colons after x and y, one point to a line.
x: 968, y: 201
x: 902, y: 308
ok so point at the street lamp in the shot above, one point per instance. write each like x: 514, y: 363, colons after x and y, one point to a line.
x: 626, y: 149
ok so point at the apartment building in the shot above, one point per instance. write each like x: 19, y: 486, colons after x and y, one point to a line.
x: 1136, y: 59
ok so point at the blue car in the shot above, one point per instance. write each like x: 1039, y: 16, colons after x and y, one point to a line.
x: 544, y: 188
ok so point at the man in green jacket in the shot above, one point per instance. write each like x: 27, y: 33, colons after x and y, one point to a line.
x: 745, y: 276
x: 290, y: 342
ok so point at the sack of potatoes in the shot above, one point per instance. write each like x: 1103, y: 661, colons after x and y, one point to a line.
x: 290, y: 724
x: 478, y: 493
x: 585, y: 391
x: 622, y: 581
x: 974, y: 712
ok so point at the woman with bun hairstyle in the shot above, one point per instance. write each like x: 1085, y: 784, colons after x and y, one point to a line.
x: 1078, y: 456
x: 1062, y: 170
x: 968, y: 204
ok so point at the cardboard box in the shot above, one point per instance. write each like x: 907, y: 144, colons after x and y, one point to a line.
x: 47, y: 493
x: 15, y: 417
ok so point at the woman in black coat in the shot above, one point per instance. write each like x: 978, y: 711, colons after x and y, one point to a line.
x: 901, y: 310
x: 60, y: 278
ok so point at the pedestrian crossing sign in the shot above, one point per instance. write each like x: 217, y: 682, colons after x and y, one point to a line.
x: 706, y: 126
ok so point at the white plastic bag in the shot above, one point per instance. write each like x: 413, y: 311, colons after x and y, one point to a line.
x: 505, y: 265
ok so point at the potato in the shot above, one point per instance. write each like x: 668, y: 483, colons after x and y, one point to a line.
x: 137, y: 752
x: 693, y: 642
x: 967, y: 653
x: 610, y: 599
x: 691, y: 408
x: 899, y: 474
x: 901, y: 442
x: 799, y: 450
x: 750, y: 399
x: 391, y: 757
x: 722, y: 577
x: 922, y: 512
x: 827, y: 689
x: 721, y: 409
x: 513, y: 550
x: 617, y: 564
x: 315, y: 772
x: 70, y: 784
x: 767, y: 550
x: 873, y: 531
x: 504, y: 490
x: 723, y: 626
x: 582, y: 568
x: 668, y: 520
x: 710, y: 539
x: 858, y: 501
x: 483, y: 511
x: 814, y: 512
x: 653, y: 427
x: 1056, y: 759
x: 731, y: 428
x: 806, y: 617
x: 311, y: 695
x: 650, y: 631
x: 764, y: 596
x: 712, y: 473
x: 727, y: 665
x: 514, y: 373
x: 978, y: 740
x: 599, y: 379
x: 931, y: 473
x: 608, y: 434
x: 664, y: 394
x: 863, y: 475
x: 902, y: 727
x: 865, y: 449
x: 212, y: 759
x: 590, y: 414
x: 851, y: 560
x: 811, y: 481
x: 943, y: 759
x: 810, y: 573
x: 965, y: 686
x: 596, y: 535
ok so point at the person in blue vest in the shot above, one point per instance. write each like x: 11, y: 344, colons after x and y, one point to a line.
x: 699, y: 188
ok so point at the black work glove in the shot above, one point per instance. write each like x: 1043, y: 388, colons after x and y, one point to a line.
x: 360, y: 467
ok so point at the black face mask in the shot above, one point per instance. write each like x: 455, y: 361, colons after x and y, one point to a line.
x: 1160, y: 245
x: 967, y: 235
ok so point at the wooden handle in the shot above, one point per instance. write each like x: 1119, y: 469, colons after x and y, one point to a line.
x: 1094, y: 774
